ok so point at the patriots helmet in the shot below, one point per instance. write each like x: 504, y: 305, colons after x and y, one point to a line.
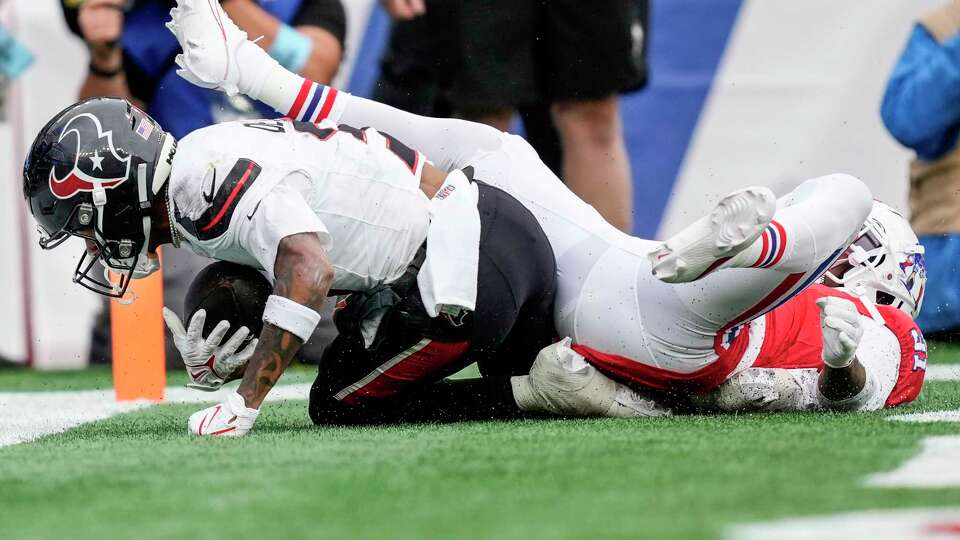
x: 94, y: 172
x: 885, y: 263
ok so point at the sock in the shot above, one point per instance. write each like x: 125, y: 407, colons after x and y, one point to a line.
x: 264, y: 79
x: 767, y: 251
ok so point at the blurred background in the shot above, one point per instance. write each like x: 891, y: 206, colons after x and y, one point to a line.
x: 737, y: 92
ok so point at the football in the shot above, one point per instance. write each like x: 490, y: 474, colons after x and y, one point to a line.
x: 231, y: 292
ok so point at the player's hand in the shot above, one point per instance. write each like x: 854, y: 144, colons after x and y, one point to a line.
x: 404, y: 10
x: 842, y: 331
x: 208, y: 362
x: 231, y: 418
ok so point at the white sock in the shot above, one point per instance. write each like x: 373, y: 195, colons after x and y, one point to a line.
x: 767, y: 251
x: 264, y: 79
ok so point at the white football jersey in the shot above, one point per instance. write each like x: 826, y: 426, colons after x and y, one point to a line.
x: 238, y: 188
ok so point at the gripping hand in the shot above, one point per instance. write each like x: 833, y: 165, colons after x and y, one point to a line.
x: 842, y: 331
x: 208, y: 361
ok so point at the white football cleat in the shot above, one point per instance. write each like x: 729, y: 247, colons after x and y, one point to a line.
x: 733, y: 225
x: 562, y: 382
x: 210, y: 42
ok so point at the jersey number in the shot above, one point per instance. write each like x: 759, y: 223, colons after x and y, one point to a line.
x: 406, y: 154
x: 272, y: 126
x: 919, y: 351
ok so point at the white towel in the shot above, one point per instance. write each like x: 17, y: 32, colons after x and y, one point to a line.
x: 448, y: 277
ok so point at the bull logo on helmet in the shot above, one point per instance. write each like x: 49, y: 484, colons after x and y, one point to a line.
x: 88, y: 162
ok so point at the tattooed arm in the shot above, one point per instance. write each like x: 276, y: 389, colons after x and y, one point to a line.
x: 304, y: 275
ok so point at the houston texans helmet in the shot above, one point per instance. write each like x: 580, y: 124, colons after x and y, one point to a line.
x: 93, y: 172
x: 885, y: 263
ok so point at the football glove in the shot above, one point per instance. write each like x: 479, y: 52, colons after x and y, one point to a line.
x: 842, y: 331
x: 231, y: 418
x: 208, y: 362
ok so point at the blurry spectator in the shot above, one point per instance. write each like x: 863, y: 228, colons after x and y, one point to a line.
x: 132, y: 53
x: 921, y: 108
x: 132, y: 56
x: 487, y: 60
x: 14, y: 60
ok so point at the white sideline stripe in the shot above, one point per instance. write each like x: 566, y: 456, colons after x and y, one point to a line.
x: 26, y: 416
x: 943, y: 372
x: 934, y: 416
x: 934, y: 467
x: 913, y: 524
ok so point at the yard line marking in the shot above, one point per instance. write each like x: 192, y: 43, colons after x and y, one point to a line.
x: 933, y: 416
x: 943, y: 372
x: 913, y: 524
x: 27, y: 416
x: 934, y: 467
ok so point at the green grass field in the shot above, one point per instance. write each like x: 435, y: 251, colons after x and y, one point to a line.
x: 138, y: 475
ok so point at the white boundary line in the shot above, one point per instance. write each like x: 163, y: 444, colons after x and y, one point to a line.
x: 915, y: 523
x: 27, y: 416
x: 943, y: 372
x: 934, y: 467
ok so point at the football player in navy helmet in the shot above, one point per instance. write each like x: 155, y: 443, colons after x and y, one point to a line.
x: 95, y: 171
x: 323, y: 209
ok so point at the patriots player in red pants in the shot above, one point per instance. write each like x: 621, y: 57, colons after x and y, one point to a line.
x: 867, y: 352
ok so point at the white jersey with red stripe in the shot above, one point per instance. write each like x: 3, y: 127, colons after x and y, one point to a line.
x: 892, y: 348
x: 236, y: 189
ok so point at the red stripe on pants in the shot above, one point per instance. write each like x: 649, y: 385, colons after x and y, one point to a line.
x: 630, y: 371
x: 414, y: 364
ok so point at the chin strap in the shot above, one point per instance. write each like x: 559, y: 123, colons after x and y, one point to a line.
x: 144, y: 265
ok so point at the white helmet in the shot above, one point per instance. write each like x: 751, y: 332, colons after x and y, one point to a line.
x: 885, y: 263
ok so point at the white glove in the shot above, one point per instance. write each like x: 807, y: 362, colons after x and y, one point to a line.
x: 842, y: 331
x: 231, y: 418
x: 208, y: 362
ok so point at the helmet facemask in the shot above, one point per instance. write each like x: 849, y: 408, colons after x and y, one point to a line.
x: 121, y: 244
x: 885, y: 263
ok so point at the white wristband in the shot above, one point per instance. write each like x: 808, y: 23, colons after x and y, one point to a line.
x: 295, y: 318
